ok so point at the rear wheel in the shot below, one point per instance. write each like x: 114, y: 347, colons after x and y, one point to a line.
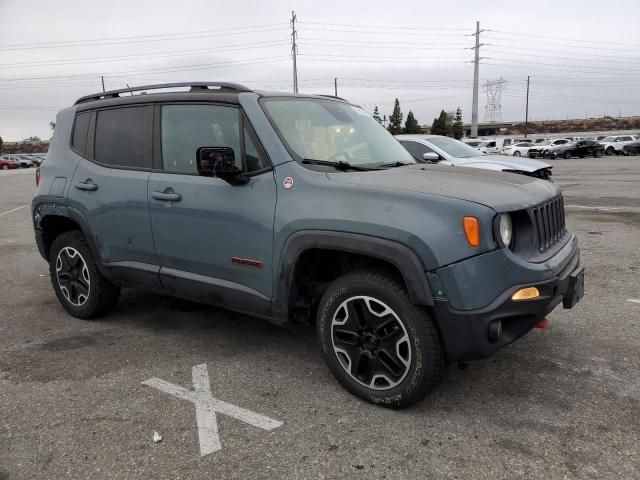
x: 79, y: 286
x: 379, y: 345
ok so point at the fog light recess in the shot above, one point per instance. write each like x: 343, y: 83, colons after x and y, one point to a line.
x: 526, y: 294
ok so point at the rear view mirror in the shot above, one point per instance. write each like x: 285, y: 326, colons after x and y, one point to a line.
x: 431, y: 156
x: 220, y: 162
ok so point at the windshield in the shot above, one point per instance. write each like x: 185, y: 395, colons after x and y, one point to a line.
x: 322, y: 129
x: 609, y: 139
x: 453, y: 147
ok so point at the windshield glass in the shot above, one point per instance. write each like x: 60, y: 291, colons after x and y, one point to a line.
x: 322, y: 129
x: 609, y: 139
x: 453, y: 147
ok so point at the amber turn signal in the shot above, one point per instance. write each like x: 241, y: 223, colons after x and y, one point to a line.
x: 526, y: 294
x: 472, y: 231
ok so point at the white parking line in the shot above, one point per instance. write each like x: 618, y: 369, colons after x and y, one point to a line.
x: 13, y: 210
x: 633, y: 300
x: 207, y: 406
x: 589, y: 207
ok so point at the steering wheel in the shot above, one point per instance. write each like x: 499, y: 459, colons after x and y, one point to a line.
x: 346, y: 155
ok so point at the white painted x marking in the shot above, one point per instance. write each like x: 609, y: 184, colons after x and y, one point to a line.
x: 207, y: 406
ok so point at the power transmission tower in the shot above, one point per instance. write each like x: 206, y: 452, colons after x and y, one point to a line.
x: 476, y: 73
x: 294, y: 50
x: 493, y: 108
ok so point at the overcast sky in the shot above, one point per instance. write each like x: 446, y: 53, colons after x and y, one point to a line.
x: 583, y: 56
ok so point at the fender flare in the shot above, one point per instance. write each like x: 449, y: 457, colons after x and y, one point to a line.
x: 398, y: 255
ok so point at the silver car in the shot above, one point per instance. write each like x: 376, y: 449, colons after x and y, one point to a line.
x: 448, y: 151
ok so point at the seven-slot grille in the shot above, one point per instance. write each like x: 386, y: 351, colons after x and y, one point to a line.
x: 548, y: 220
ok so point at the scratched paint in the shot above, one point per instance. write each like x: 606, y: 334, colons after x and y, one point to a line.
x: 207, y: 406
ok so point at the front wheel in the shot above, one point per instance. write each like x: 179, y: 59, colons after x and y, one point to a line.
x: 516, y: 153
x: 377, y: 344
x: 610, y: 151
x: 567, y: 155
x: 5, y: 167
x: 79, y: 286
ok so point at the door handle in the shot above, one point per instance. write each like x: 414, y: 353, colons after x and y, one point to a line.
x: 166, y: 197
x: 87, y: 185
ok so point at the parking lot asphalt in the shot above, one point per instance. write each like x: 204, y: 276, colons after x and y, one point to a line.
x: 563, y: 402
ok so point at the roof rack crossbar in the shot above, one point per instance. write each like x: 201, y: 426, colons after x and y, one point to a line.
x: 195, y: 87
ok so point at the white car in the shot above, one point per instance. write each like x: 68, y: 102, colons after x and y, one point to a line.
x: 613, y: 144
x: 448, y: 151
x: 520, y: 149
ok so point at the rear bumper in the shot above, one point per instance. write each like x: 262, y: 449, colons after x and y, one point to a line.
x: 479, y: 333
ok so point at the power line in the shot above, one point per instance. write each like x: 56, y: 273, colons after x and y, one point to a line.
x: 576, y: 40
x: 385, y: 27
x: 189, y: 36
x: 144, y: 56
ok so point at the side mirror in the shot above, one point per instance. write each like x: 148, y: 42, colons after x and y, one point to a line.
x: 220, y: 162
x: 431, y: 156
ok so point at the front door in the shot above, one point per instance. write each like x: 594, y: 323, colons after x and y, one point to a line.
x: 214, y: 240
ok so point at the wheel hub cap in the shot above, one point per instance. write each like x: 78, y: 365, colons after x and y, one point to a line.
x: 73, y: 276
x: 371, y: 343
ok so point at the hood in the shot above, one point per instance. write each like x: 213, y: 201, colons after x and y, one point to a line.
x: 499, y: 191
x: 523, y: 164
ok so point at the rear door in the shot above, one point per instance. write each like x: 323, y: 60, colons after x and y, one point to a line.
x: 214, y: 240
x: 109, y: 189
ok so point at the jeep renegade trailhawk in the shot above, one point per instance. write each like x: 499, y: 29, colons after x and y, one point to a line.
x: 300, y: 208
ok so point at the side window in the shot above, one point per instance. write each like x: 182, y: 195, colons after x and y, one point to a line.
x: 254, y: 159
x: 185, y: 128
x: 122, y: 137
x: 80, y: 130
x: 416, y: 149
x: 491, y: 144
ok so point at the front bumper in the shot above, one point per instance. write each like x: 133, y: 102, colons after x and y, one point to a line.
x: 479, y: 333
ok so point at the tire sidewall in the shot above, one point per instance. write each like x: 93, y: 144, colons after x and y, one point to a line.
x: 416, y: 327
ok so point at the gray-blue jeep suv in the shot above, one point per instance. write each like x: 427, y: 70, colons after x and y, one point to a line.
x: 300, y: 208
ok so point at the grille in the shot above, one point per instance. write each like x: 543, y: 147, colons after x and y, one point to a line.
x: 548, y: 220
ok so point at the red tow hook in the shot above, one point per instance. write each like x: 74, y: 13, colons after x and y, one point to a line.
x: 542, y: 323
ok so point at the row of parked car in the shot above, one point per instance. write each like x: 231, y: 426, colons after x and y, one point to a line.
x: 567, y: 147
x: 22, y: 160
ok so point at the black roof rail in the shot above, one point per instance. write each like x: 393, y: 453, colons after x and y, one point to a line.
x: 195, y: 87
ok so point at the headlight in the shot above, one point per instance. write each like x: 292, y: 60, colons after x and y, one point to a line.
x: 506, y: 229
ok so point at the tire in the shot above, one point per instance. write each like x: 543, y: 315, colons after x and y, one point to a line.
x: 80, y: 287
x: 566, y: 155
x: 597, y: 154
x: 409, y: 343
x: 5, y: 167
x: 610, y: 151
x: 516, y: 153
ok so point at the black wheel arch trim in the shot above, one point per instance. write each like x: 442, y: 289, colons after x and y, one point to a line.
x: 400, y: 256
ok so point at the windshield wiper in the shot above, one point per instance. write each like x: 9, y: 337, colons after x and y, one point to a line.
x: 339, y: 165
x: 394, y: 164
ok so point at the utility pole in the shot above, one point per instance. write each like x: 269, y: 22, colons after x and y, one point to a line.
x: 102, y: 78
x: 476, y: 71
x: 294, y: 50
x: 335, y: 86
x: 526, y: 114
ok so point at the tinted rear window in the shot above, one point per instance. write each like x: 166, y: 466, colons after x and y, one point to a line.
x: 80, y: 129
x: 122, y: 137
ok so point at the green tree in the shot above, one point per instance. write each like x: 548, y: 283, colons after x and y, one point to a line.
x: 440, y: 125
x: 32, y: 139
x: 456, y: 129
x: 376, y: 115
x: 395, y: 120
x: 411, y: 125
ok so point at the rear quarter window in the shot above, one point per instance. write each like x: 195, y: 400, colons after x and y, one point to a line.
x: 80, y: 130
